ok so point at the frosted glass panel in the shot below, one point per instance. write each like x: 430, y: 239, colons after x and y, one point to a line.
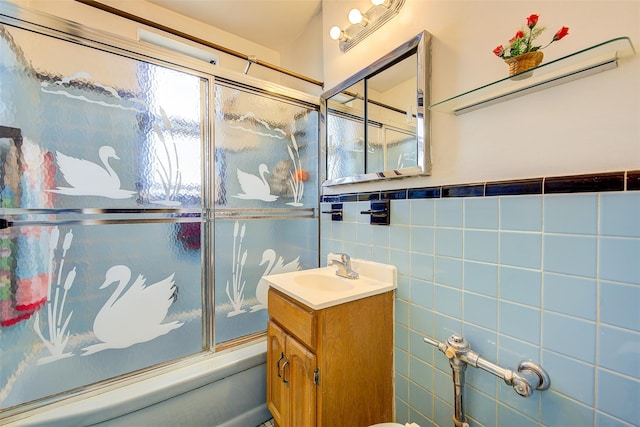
x: 245, y: 251
x: 401, y: 149
x: 390, y: 148
x: 345, y: 147
x: 101, y: 202
x: 87, y: 305
x: 266, y: 177
x: 122, y: 135
x: 375, y: 148
x: 266, y: 151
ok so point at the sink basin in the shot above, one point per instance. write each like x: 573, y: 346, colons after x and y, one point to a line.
x: 320, y: 288
x: 323, y: 282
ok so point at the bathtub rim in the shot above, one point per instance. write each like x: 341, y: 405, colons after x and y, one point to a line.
x: 139, y: 391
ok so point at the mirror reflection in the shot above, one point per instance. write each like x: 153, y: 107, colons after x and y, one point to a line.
x: 345, y: 132
x: 389, y: 96
x: 392, y: 100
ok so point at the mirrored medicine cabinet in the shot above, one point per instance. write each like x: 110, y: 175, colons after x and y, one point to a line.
x: 375, y: 125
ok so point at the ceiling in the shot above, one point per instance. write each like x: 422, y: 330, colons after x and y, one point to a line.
x: 270, y: 23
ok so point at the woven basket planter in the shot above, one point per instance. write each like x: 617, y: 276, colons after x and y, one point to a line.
x: 524, y: 62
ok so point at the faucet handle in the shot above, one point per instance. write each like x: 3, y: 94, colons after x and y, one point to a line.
x: 338, y: 257
x: 334, y: 256
x: 344, y: 266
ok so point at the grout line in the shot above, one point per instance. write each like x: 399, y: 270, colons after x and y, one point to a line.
x: 543, y: 199
x: 598, y: 290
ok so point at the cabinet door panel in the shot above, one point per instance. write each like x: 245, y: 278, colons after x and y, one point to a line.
x: 276, y: 391
x: 302, y: 389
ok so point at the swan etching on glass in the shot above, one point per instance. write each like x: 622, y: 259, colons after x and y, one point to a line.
x: 254, y: 187
x: 135, y: 315
x: 273, y: 267
x: 91, y: 179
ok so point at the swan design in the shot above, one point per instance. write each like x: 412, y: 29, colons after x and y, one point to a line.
x: 90, y: 179
x: 269, y: 256
x: 255, y: 188
x: 135, y: 315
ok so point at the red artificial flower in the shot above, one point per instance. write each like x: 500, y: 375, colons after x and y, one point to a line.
x: 523, y: 41
x: 561, y: 33
x: 518, y: 35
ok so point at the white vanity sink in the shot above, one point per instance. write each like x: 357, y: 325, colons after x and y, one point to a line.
x: 320, y: 288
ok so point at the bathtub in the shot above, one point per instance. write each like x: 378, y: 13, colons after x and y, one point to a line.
x: 222, y: 389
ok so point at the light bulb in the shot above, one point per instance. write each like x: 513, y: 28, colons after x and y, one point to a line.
x: 335, y: 32
x: 355, y: 16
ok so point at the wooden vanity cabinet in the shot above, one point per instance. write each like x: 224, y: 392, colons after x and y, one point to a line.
x: 331, y: 367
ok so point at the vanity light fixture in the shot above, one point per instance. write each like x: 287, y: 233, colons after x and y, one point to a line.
x: 363, y: 24
x: 356, y: 17
x: 336, y: 33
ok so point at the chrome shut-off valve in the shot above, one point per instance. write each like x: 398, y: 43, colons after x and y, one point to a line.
x: 528, y: 377
x: 525, y: 380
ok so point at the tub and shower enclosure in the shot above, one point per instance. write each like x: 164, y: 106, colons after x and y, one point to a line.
x: 141, y: 202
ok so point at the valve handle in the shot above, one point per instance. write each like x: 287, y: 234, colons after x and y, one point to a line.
x: 450, y: 352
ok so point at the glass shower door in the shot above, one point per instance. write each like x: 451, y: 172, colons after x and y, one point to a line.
x: 134, y: 193
x: 101, y: 261
x: 266, y: 177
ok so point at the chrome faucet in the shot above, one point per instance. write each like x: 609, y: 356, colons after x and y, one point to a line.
x: 344, y: 267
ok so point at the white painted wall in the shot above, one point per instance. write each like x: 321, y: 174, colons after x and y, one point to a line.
x: 304, y: 56
x: 589, y: 125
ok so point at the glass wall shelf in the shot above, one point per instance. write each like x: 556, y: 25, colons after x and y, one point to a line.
x: 601, y: 57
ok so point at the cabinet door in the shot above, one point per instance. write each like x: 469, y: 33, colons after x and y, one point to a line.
x: 299, y: 375
x: 276, y: 388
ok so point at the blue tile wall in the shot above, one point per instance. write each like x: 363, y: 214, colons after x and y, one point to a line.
x: 571, y: 214
x: 554, y: 278
x: 521, y: 213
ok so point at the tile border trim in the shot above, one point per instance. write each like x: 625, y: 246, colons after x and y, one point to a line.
x: 597, y: 182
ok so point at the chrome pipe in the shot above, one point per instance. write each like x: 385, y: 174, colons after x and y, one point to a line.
x: 458, y: 367
x: 528, y: 377
x: 457, y: 348
x: 456, y: 345
x: 476, y: 361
